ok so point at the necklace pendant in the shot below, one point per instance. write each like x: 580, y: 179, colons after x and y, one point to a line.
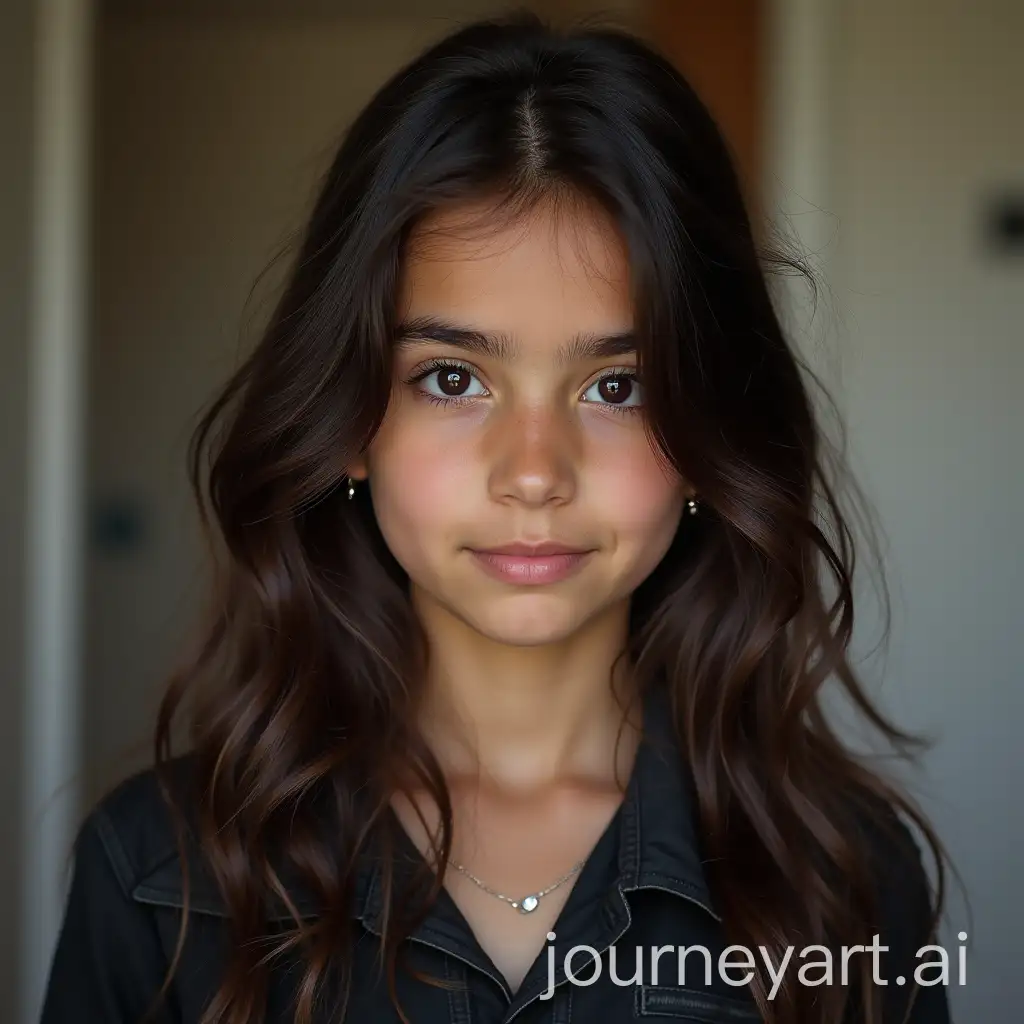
x: 528, y: 904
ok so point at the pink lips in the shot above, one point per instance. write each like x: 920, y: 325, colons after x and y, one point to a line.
x: 530, y: 563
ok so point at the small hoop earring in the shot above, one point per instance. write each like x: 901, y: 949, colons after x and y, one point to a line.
x: 351, y: 489
x: 691, y: 507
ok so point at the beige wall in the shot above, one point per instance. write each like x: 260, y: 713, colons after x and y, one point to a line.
x: 926, y: 126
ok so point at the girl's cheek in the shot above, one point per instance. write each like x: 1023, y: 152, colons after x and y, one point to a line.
x: 644, y: 507
x: 422, y: 475
x: 633, y: 484
x: 432, y: 479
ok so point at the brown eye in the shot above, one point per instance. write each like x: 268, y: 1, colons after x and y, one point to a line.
x: 449, y: 381
x: 618, y: 390
x: 615, y: 389
x: 453, y: 382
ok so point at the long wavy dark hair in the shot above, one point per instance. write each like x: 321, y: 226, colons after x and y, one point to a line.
x: 303, y: 684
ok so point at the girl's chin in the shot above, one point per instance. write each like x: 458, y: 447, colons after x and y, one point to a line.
x: 550, y: 622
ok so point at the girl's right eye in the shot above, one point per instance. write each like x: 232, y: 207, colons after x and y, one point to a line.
x: 445, y: 382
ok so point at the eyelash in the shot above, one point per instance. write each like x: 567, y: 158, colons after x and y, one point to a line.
x: 436, y: 365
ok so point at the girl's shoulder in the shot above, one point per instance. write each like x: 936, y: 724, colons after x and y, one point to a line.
x: 133, y: 829
x: 155, y: 854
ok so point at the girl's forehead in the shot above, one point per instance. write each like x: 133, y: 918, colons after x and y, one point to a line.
x: 489, y: 227
x: 553, y: 261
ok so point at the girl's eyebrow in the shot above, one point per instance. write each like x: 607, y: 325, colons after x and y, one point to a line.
x: 426, y: 329
x: 501, y: 346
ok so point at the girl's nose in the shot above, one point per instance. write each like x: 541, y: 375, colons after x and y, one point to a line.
x: 534, y: 458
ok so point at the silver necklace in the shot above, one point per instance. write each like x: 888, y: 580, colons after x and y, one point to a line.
x: 525, y: 904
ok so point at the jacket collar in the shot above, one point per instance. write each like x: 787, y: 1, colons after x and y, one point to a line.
x: 659, y: 845
x: 658, y: 842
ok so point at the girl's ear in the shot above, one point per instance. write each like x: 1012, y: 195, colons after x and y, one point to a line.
x: 358, y: 469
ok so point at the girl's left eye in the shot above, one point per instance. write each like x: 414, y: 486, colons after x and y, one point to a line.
x: 619, y: 389
x: 449, y: 381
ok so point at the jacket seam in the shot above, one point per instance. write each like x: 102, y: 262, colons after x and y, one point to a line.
x: 172, y: 900
x: 660, y: 876
x: 115, y: 851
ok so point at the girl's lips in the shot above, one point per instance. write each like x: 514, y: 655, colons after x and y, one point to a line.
x: 516, y: 565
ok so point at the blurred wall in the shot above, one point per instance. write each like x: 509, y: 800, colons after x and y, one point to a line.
x: 927, y: 132
x: 16, y: 98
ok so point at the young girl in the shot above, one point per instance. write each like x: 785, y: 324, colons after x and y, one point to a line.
x: 509, y: 707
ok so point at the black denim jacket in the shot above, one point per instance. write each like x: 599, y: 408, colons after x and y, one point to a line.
x: 643, y: 886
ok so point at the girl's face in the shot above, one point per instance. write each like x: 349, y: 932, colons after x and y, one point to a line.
x: 512, y: 477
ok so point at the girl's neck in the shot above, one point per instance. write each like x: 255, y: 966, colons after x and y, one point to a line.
x: 522, y: 718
